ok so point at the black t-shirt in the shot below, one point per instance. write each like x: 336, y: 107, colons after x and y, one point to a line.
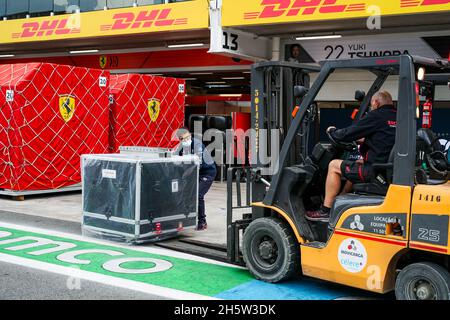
x: 378, y: 128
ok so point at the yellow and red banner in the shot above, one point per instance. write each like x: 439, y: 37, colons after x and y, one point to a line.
x: 253, y: 12
x: 155, y: 18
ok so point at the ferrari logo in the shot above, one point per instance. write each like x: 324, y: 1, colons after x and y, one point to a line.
x: 67, y: 107
x: 103, y: 61
x: 154, y: 107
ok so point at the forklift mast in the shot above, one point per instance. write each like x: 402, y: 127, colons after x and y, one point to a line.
x: 404, y: 67
x: 273, y: 103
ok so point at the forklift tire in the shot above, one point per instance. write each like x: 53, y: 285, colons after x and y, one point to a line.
x: 423, y: 281
x: 270, y: 250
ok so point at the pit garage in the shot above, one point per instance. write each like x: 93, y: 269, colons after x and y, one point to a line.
x: 209, y: 52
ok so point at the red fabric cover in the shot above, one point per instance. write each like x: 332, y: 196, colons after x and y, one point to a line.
x: 130, y: 121
x: 38, y: 148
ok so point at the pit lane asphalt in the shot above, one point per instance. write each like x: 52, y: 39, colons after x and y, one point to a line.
x: 22, y: 283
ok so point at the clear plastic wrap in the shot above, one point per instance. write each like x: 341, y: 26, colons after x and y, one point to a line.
x: 136, y: 198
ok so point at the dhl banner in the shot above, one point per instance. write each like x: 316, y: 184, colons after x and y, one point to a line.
x: 251, y: 12
x: 166, y: 17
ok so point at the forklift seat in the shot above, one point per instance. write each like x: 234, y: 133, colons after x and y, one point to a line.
x: 377, y: 188
x: 427, y: 144
x: 381, y: 179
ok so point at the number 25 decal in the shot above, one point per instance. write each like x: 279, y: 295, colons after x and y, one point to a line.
x: 429, y: 235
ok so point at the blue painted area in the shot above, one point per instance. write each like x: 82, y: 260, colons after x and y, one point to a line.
x: 304, y: 289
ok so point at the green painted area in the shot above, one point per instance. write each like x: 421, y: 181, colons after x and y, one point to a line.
x: 185, y: 275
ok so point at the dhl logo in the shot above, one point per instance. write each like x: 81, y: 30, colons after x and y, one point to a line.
x: 278, y: 8
x: 144, y: 19
x: 422, y: 3
x: 46, y: 28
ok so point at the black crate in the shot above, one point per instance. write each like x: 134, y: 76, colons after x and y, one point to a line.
x: 138, y: 198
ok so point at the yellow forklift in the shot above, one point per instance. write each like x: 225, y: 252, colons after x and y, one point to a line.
x: 390, y: 233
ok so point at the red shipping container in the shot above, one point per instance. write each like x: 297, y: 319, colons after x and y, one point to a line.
x: 49, y: 116
x: 145, y: 110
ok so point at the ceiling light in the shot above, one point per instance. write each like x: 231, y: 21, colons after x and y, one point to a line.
x: 6, y: 55
x: 201, y: 73
x: 83, y: 51
x: 189, y: 79
x: 218, y: 86
x: 333, y: 36
x: 216, y: 82
x: 187, y: 45
x: 233, y: 78
x: 231, y: 95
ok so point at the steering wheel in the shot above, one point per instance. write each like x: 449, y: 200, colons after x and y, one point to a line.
x: 347, y: 146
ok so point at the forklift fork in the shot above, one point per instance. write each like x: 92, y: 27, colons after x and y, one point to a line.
x: 234, y: 227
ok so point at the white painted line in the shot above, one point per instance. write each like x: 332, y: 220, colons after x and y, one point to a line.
x: 152, y: 250
x: 104, y: 279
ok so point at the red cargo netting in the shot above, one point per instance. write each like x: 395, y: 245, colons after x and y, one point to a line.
x: 49, y: 116
x: 145, y: 110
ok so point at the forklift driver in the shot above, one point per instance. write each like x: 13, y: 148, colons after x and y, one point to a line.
x: 376, y: 134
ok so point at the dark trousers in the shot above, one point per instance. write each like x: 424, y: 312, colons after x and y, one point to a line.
x: 203, y: 187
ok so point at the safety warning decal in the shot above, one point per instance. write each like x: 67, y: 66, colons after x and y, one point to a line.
x: 352, y: 255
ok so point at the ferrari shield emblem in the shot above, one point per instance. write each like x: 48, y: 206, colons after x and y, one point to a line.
x: 103, y: 61
x: 67, y: 107
x: 154, y: 107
